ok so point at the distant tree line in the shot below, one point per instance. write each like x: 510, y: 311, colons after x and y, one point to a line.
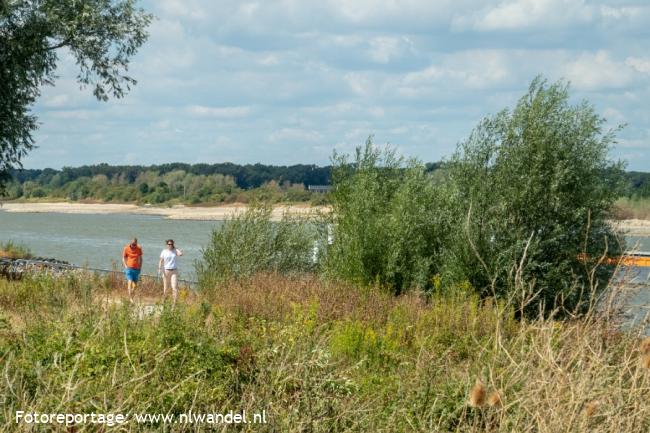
x: 205, y: 183
x: 245, y: 176
x: 171, y: 183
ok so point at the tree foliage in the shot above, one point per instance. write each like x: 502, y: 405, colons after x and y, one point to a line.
x: 520, y: 210
x: 252, y: 242
x: 145, y: 185
x: 245, y: 175
x: 534, y: 188
x: 101, y: 35
x: 389, y: 220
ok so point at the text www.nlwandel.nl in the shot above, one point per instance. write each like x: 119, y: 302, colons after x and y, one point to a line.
x: 113, y: 419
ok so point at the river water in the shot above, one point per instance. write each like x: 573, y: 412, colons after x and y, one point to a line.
x: 97, y: 240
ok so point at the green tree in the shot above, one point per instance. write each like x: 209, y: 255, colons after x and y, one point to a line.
x: 533, y: 190
x: 389, y: 220
x: 101, y: 35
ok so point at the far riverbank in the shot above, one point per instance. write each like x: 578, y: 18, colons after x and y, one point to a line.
x: 178, y: 212
x: 633, y: 227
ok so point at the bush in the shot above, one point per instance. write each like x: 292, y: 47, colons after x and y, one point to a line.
x: 389, y: 220
x: 251, y: 242
x: 533, y: 188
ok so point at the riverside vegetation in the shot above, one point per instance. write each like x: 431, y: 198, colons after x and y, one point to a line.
x: 317, y: 356
x: 458, y: 301
x: 12, y: 250
x: 214, y: 184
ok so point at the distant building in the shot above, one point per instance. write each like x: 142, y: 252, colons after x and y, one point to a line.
x: 320, y: 188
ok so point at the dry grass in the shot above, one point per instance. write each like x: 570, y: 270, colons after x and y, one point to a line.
x: 320, y: 356
x: 274, y: 297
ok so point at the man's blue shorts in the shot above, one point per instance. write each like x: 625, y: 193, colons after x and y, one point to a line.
x: 132, y: 274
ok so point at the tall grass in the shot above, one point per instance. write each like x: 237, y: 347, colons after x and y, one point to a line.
x: 318, y: 356
x: 12, y: 250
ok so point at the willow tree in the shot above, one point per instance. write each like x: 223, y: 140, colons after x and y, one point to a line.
x: 101, y: 35
x: 389, y: 220
x: 534, y: 188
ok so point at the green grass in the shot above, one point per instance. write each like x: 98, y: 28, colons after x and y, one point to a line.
x: 13, y: 250
x: 317, y: 356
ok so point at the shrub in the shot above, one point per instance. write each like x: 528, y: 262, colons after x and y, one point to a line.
x: 389, y: 220
x: 533, y: 188
x: 251, y: 242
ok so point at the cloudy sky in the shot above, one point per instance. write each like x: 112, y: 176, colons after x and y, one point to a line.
x: 289, y: 81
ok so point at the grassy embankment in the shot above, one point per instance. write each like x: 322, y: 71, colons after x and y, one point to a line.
x: 317, y: 356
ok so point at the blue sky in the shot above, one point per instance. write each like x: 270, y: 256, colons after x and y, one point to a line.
x: 289, y: 81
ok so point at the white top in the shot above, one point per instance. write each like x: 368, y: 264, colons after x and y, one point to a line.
x: 169, y: 258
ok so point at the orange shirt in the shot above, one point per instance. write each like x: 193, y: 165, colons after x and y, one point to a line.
x: 132, y: 256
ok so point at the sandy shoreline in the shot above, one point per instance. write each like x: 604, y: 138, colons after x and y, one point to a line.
x: 633, y: 227
x: 178, y: 212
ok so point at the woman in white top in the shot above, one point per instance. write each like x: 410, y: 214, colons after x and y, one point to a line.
x: 168, y: 265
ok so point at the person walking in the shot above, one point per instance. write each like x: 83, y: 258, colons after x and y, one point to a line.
x: 167, y: 264
x: 132, y: 261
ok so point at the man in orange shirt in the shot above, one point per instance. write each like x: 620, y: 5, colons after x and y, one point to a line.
x: 132, y: 261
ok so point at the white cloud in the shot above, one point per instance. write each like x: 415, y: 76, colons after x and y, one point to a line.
x: 161, y: 124
x: 376, y: 111
x: 294, y: 135
x: 639, y: 143
x: 188, y: 9
x: 621, y: 12
x: 522, y: 14
x: 389, y: 13
x: 613, y: 115
x: 472, y: 69
x: 383, y: 49
x: 591, y: 71
x: 220, y: 112
x: 640, y: 64
x: 339, y: 109
x: 249, y: 8
x: 56, y: 101
x: 78, y: 115
x: 359, y: 83
x: 415, y: 72
x: 360, y: 11
x: 424, y: 77
x: 269, y: 60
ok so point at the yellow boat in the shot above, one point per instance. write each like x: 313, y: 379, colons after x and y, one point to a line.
x: 636, y: 259
x: 641, y: 259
